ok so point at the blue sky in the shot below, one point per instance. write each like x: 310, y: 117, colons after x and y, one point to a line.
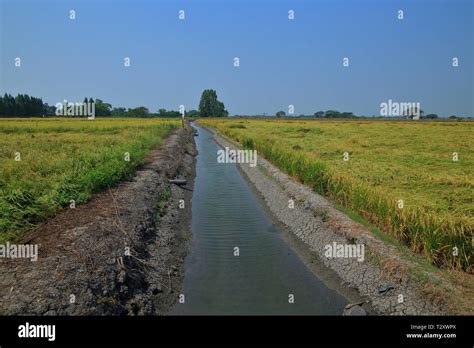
x: 282, y: 61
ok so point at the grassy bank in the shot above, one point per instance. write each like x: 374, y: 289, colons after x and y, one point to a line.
x: 48, y: 164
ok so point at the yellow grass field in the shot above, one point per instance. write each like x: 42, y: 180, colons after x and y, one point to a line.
x: 402, y: 176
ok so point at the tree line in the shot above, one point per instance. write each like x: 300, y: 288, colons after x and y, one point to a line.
x: 338, y: 114
x: 24, y: 105
x: 21, y: 105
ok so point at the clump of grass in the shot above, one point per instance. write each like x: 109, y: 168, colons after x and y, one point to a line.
x: 241, y: 126
x: 163, y: 200
x: 248, y: 143
x: 322, y: 213
x: 296, y: 147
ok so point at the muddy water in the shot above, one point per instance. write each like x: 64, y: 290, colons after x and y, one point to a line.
x: 265, y: 275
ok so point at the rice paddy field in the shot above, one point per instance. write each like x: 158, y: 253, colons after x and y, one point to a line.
x: 49, y: 164
x: 413, y: 180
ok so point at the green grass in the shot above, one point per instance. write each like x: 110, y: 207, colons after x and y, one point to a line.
x: 163, y: 201
x: 64, y: 160
x: 388, y: 161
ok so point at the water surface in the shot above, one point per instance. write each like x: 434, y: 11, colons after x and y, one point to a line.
x: 226, y: 214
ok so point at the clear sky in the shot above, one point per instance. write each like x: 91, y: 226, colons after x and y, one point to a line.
x: 282, y: 61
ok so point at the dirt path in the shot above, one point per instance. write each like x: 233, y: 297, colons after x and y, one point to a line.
x: 120, y: 253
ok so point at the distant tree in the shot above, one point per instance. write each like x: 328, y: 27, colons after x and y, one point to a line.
x: 119, y: 112
x: 171, y: 113
x: 140, y: 111
x: 453, y: 116
x: 332, y: 114
x: 49, y: 110
x: 192, y: 113
x: 102, y: 109
x: 347, y: 115
x: 8, y: 105
x: 431, y: 116
x: 21, y: 106
x: 319, y: 114
x: 2, y: 106
x: 280, y: 114
x: 210, y: 106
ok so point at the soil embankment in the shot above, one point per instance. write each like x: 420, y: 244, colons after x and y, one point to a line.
x: 120, y: 253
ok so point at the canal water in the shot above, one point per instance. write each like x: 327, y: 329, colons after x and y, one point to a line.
x: 267, y: 277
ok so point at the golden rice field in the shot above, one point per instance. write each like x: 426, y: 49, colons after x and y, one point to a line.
x: 47, y: 163
x: 399, y: 175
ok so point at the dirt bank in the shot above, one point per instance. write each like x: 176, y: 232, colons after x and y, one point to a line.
x: 120, y: 253
x: 384, y: 278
